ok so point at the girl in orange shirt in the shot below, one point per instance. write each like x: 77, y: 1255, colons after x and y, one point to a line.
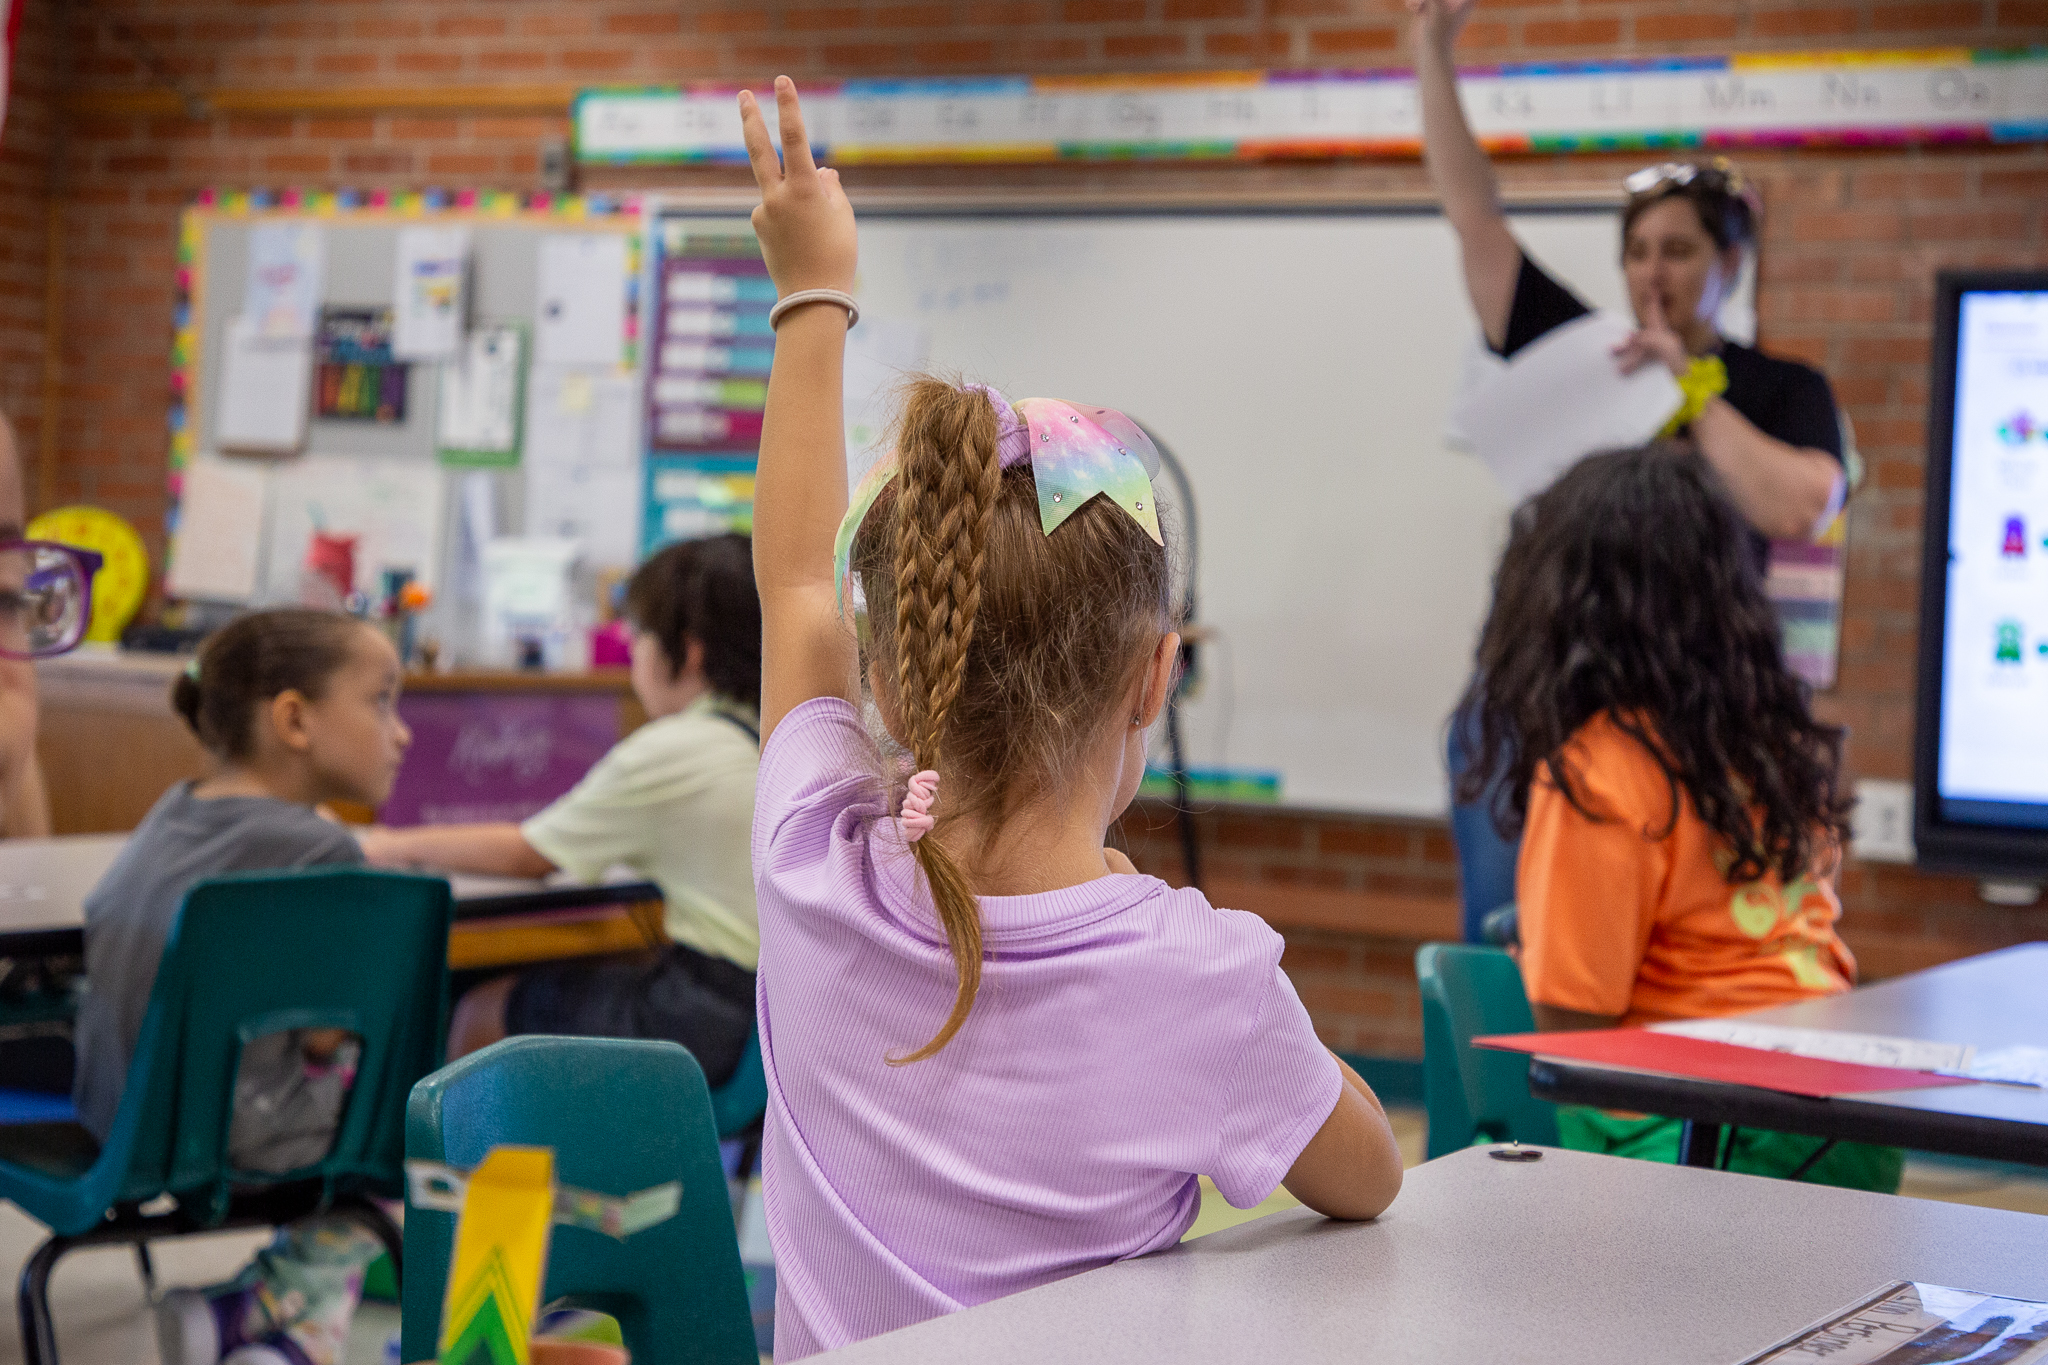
x: 1681, y: 815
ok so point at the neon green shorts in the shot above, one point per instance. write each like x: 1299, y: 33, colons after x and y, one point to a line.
x: 1751, y: 1151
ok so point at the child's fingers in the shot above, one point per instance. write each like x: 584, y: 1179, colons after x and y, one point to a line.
x: 760, y: 148
x: 796, y: 147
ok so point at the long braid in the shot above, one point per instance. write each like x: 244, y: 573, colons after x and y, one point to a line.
x: 949, y: 482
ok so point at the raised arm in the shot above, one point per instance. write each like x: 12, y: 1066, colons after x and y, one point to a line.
x: 808, y: 239
x: 1459, y: 170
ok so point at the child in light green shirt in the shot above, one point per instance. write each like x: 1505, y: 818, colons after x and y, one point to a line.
x: 674, y: 801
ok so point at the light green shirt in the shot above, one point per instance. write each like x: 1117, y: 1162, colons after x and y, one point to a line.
x: 674, y: 801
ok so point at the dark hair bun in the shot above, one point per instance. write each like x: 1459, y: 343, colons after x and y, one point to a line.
x: 252, y: 659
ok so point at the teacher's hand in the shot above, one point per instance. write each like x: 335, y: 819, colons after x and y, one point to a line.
x: 1654, y: 341
x: 1438, y: 22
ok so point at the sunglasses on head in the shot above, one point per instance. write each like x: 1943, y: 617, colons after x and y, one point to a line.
x: 45, y: 597
x: 1677, y: 174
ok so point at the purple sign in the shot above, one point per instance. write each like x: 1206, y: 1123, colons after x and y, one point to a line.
x: 486, y: 756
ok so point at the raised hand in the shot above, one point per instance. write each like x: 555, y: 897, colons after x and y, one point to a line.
x: 804, y: 222
x: 1438, y: 22
x: 1655, y: 340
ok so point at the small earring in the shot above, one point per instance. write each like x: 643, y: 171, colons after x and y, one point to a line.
x: 1138, y: 721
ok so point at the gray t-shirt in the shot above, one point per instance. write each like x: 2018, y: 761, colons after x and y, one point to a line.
x: 184, y: 840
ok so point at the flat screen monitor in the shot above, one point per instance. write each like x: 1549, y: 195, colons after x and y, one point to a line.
x: 1981, y: 742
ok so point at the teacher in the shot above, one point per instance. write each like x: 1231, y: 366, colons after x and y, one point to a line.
x: 1768, y: 426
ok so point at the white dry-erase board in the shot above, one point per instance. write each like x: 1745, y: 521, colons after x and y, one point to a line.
x: 1300, y: 365
x: 385, y: 477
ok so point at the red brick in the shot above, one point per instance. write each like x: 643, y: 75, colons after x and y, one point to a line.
x: 593, y: 61
x: 559, y: 21
x: 1006, y: 12
x: 1178, y: 10
x: 864, y: 57
x: 1364, y: 841
x: 1572, y: 32
x: 415, y: 129
x: 1949, y: 15
x: 1246, y: 46
x: 340, y: 129
x: 509, y: 59
x: 1332, y: 42
x: 733, y: 21
x: 2025, y: 182
x: 345, y: 63
x: 531, y: 128
x: 462, y: 163
x: 1684, y: 27
x: 1144, y: 47
x: 1803, y: 22
x: 1286, y: 832
x: 911, y: 16
x: 821, y: 17
x: 426, y: 62
x: 298, y: 163
x: 469, y: 26
x: 1102, y: 11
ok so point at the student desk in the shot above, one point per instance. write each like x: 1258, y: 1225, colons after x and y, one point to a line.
x: 500, y: 921
x: 1577, y: 1257
x: 1996, y: 1000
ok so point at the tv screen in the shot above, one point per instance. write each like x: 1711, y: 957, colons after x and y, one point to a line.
x: 1981, y: 770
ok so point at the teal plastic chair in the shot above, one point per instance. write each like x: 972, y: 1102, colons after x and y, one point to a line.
x: 249, y: 955
x: 1474, y: 1094
x: 739, y: 1107
x: 621, y: 1114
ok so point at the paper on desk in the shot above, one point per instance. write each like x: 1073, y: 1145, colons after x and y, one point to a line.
x: 264, y: 386
x: 1559, y: 400
x: 581, y: 316
x: 582, y: 462
x: 2012, y: 1064
x: 220, y: 522
x: 427, y: 315
x: 1865, y: 1049
x: 287, y: 272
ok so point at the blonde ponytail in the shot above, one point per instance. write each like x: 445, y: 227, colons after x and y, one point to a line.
x: 951, y: 474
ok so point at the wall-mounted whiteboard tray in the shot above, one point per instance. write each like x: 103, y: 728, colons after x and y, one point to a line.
x: 1300, y: 365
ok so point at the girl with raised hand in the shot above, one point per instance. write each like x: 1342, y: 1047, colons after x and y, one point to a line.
x: 996, y: 1055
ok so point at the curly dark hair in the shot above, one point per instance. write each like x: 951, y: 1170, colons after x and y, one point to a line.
x: 703, y: 590
x: 1628, y: 588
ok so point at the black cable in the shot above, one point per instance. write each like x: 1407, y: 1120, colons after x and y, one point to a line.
x: 1190, y: 841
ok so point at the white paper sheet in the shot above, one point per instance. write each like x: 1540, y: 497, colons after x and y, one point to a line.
x: 433, y: 273
x: 220, y: 530
x: 393, y: 505
x: 582, y: 462
x: 2019, y: 1063
x: 478, y: 414
x: 581, y: 314
x: 1559, y: 400
x: 880, y: 351
x: 265, y: 383
x: 287, y: 270
x: 476, y: 527
x: 1867, y: 1049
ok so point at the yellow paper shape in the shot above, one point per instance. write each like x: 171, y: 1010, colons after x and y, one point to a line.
x: 501, y: 1253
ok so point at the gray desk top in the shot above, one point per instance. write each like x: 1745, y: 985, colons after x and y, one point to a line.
x: 1995, y: 1000
x: 44, y: 882
x: 1579, y: 1258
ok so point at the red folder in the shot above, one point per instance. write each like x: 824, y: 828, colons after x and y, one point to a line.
x: 1710, y: 1061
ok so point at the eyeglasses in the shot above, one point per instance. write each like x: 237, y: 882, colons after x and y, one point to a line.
x: 1718, y: 175
x: 45, y: 597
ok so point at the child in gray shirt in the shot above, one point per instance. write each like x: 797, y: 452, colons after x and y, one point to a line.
x: 297, y: 708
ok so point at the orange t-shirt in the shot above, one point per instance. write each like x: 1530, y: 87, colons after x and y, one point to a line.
x: 1616, y: 920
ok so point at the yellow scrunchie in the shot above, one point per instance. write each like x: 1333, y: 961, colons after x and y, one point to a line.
x: 1703, y: 381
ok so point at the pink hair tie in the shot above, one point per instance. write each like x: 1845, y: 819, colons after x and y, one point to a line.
x: 917, y: 805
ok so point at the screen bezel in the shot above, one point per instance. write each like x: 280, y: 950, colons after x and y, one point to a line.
x: 1939, y: 844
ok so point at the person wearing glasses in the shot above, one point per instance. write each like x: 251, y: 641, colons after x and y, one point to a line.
x: 43, y: 599
x: 1767, y: 427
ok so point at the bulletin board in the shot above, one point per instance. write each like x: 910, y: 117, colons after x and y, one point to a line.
x: 381, y: 467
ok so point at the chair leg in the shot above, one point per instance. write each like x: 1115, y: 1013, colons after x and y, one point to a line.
x: 38, y: 1328
x: 372, y: 1216
x: 147, y: 1267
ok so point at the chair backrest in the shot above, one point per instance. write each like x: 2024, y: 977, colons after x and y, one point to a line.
x: 621, y: 1115
x: 1474, y: 1094
x: 739, y: 1104
x: 255, y: 953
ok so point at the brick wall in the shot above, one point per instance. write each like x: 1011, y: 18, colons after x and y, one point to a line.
x: 24, y: 231
x: 1851, y: 243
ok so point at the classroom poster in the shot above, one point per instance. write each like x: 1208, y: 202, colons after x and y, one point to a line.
x: 489, y: 756
x: 433, y: 271
x: 478, y: 420
x: 1923, y: 1324
x: 707, y: 380
x: 582, y: 461
x: 358, y: 377
x: 581, y: 315
x: 287, y: 270
x: 263, y: 383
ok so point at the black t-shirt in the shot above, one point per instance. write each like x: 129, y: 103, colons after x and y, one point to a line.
x: 1781, y: 398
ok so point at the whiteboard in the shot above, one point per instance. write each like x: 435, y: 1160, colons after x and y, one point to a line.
x: 1300, y: 365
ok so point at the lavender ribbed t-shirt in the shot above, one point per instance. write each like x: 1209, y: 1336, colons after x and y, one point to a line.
x: 1127, y: 1037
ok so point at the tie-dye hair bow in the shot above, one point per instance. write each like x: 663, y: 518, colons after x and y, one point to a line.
x: 1076, y: 453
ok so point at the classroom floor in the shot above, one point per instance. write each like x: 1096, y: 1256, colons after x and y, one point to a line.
x: 103, y: 1319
